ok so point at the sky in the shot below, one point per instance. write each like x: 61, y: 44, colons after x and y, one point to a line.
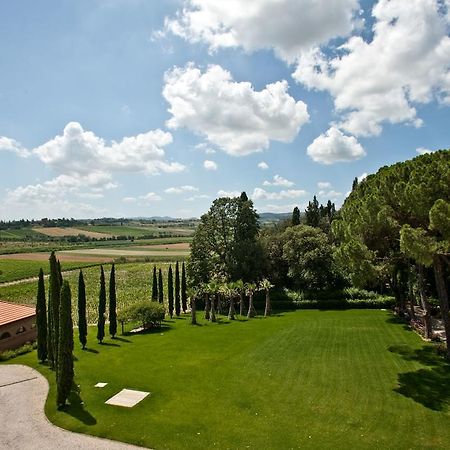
x: 137, y: 108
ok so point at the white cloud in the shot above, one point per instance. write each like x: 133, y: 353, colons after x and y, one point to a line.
x: 278, y: 208
x: 333, y: 146
x: 362, y: 177
x: 423, y: 150
x: 150, y: 197
x: 263, y: 165
x: 197, y: 197
x: 323, y: 184
x: 229, y: 114
x: 407, y: 62
x: 210, y: 165
x: 231, y: 194
x: 180, y: 189
x: 11, y: 145
x: 129, y: 200
x: 331, y: 194
x: 286, y: 26
x: 279, y: 181
x: 204, y: 147
x: 261, y: 194
x: 77, y: 151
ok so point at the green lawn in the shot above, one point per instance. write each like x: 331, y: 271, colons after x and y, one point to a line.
x: 11, y: 269
x: 307, y: 379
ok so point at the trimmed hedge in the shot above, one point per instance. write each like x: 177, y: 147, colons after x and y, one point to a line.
x: 148, y: 313
x: 377, y: 303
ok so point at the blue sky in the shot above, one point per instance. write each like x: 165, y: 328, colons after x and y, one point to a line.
x: 142, y: 108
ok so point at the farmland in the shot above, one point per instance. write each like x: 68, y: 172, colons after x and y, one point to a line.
x: 138, y: 231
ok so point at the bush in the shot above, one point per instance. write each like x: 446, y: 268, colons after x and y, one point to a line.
x: 149, y: 314
x: 9, y: 354
x: 382, y: 302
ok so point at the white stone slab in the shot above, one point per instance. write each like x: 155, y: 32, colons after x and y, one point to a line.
x: 127, y: 398
x: 101, y: 385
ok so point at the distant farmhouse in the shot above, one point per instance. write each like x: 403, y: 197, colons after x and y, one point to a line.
x: 17, y: 325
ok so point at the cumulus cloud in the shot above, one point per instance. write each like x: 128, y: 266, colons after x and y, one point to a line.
x: 150, y: 197
x: 331, y: 194
x: 263, y: 165
x: 231, y: 194
x: 423, y: 150
x: 262, y: 194
x: 204, y: 147
x: 129, y: 199
x: 286, y: 26
x: 279, y: 181
x: 323, y: 184
x: 180, y: 189
x: 229, y: 114
x: 11, y: 145
x: 406, y: 62
x: 197, y: 197
x: 210, y: 165
x: 333, y: 146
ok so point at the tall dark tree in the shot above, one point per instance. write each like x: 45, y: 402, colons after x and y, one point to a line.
x: 183, y: 288
x: 41, y: 319
x: 154, y: 286
x: 54, y: 299
x: 60, y: 273
x: 64, y: 369
x: 82, y: 322
x: 112, y: 303
x: 160, y: 288
x: 170, y: 291
x: 101, y: 307
x: 296, y: 216
x: 355, y: 183
x: 177, y: 290
x: 312, y: 213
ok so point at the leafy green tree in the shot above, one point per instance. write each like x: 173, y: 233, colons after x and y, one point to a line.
x: 160, y: 287
x: 183, y: 288
x: 54, y: 299
x: 101, y: 307
x: 177, y: 290
x: 154, y: 286
x: 312, y: 213
x: 64, y: 368
x: 112, y: 303
x: 296, y: 216
x: 170, y: 291
x: 41, y: 319
x: 82, y: 322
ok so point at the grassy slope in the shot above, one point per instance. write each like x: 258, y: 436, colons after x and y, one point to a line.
x: 136, y: 231
x: 133, y: 283
x: 11, y: 270
x: 347, y: 379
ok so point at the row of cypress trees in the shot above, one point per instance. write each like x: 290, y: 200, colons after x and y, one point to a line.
x: 176, y: 297
x: 55, y: 328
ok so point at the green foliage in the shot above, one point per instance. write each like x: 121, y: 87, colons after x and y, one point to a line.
x: 53, y: 309
x: 41, y: 319
x: 154, y: 286
x: 183, y: 288
x: 64, y: 368
x: 295, y: 216
x: 160, y: 288
x: 82, y: 323
x: 101, y: 307
x: 10, y: 354
x: 112, y: 303
x: 147, y: 313
x: 177, y: 290
x: 170, y: 290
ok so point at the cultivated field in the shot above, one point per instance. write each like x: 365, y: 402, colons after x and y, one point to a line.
x: 69, y: 231
x: 309, y: 379
x: 137, y: 231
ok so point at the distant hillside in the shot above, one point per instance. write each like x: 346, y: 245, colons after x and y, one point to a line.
x: 274, y: 217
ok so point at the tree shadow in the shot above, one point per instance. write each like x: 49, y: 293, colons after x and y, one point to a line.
x: 399, y: 321
x: 109, y: 344
x: 428, y: 386
x: 76, y: 408
x: 89, y: 350
x: 117, y: 338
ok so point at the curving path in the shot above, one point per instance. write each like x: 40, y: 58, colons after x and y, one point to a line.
x: 24, y: 426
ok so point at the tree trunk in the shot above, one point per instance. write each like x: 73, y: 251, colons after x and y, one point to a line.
x: 193, y: 312
x: 424, y: 303
x: 268, y: 310
x: 219, y: 303
x: 207, y: 307
x: 411, y: 296
x: 231, y: 311
x: 241, y: 304
x: 441, y: 286
x: 212, y: 316
x: 251, y: 307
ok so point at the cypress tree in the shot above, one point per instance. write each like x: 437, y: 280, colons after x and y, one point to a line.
x: 177, y: 290
x: 170, y: 291
x: 41, y: 319
x: 154, y: 286
x: 64, y: 369
x: 183, y: 288
x: 160, y: 288
x: 82, y: 323
x: 60, y: 274
x: 296, y: 216
x: 54, y: 299
x: 50, y: 328
x: 112, y: 303
x: 101, y: 307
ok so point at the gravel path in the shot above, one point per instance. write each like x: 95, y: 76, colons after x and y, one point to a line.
x: 23, y: 392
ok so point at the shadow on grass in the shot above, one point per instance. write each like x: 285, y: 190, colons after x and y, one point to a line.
x: 89, y: 350
x: 399, y: 321
x: 76, y: 408
x: 109, y: 344
x: 428, y: 386
x: 122, y: 339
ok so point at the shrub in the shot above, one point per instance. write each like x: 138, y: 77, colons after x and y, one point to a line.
x: 149, y: 314
x: 9, y: 354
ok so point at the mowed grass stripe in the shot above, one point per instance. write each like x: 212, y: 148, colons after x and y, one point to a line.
x: 313, y: 379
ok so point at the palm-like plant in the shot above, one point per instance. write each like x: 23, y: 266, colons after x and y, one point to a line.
x: 192, y: 296
x: 212, y: 288
x: 240, y: 288
x: 250, y: 289
x: 266, y: 285
x: 231, y: 290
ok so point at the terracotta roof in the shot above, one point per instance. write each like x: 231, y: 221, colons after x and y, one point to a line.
x: 10, y: 312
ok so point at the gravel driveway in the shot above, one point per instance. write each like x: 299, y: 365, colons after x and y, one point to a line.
x: 24, y: 426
